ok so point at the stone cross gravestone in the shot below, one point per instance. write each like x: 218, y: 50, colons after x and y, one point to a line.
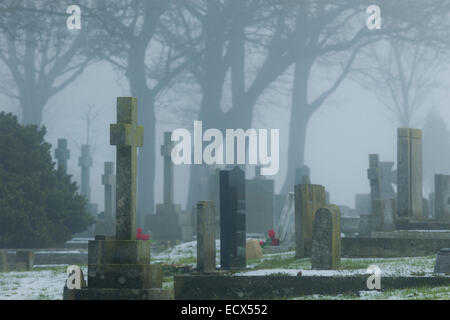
x: 127, y: 136
x: 442, y: 197
x: 232, y: 218
x: 409, y: 174
x: 206, y: 239
x: 308, y: 198
x: 62, y: 154
x: 326, y: 239
x: 119, y: 267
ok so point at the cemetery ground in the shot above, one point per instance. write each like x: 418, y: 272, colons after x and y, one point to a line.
x: 45, y: 282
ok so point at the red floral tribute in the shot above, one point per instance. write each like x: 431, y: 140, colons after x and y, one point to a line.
x: 141, y: 236
x: 271, y: 241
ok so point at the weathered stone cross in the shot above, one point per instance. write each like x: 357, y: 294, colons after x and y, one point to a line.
x: 127, y: 136
x: 62, y: 154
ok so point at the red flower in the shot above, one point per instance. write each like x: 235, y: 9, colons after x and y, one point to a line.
x: 141, y: 236
x: 271, y: 234
x: 261, y: 243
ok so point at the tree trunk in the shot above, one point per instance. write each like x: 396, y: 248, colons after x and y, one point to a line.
x: 31, y: 112
x: 301, y: 112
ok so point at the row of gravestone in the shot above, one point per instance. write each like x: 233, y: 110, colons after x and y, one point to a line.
x: 385, y: 210
x: 169, y: 222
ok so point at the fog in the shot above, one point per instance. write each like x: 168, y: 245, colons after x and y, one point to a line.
x: 351, y: 124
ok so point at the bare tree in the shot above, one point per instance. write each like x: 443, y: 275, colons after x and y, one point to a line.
x: 127, y: 36
x: 337, y: 32
x: 40, y: 53
x: 402, y: 75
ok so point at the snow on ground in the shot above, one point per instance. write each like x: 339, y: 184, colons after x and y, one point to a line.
x: 47, y: 282
x: 33, y: 285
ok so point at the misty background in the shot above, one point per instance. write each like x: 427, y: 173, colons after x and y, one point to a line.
x: 354, y: 121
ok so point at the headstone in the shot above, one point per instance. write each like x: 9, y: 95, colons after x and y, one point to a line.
x: 308, y: 199
x: 253, y: 250
x: 4, y: 266
x: 165, y: 224
x: 206, y: 238
x: 62, y: 154
x: 409, y: 174
x: 24, y: 260
x: 326, y: 239
x: 259, y: 204
x: 374, y: 175
x: 119, y: 267
x: 232, y: 218
x: 105, y: 223
x: 442, y: 197
x: 443, y: 261
x: 127, y: 136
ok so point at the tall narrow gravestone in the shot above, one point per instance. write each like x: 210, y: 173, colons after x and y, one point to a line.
x: 409, y: 174
x: 206, y: 239
x: 119, y: 267
x: 308, y: 198
x: 326, y: 239
x: 259, y: 194
x: 232, y: 219
x: 442, y: 197
x: 62, y: 154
